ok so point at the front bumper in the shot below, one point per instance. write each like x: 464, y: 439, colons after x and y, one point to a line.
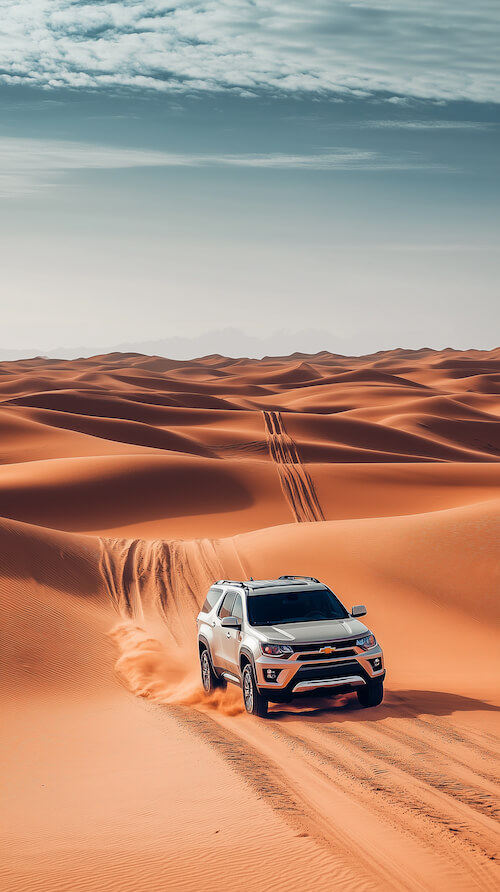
x: 301, y: 674
x: 351, y: 681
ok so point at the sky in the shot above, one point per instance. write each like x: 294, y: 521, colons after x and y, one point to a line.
x: 248, y: 175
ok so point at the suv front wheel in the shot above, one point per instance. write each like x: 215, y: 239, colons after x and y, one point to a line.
x: 371, y: 694
x: 209, y: 679
x: 255, y: 702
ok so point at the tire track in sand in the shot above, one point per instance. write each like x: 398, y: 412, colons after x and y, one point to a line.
x: 411, y: 775
x: 161, y: 578
x: 296, y: 483
x: 396, y: 830
x: 264, y: 777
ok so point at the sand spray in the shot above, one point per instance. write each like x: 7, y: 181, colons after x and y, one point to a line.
x: 151, y: 670
x: 156, y: 588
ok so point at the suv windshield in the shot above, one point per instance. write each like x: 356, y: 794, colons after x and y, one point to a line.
x: 294, y: 607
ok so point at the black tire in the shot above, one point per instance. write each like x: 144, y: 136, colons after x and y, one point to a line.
x: 209, y: 679
x: 371, y: 694
x: 255, y: 702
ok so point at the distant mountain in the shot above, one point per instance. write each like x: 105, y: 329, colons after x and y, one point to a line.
x: 227, y: 341
x: 235, y: 343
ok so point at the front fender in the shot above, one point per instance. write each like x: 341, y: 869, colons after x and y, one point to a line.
x: 245, y: 651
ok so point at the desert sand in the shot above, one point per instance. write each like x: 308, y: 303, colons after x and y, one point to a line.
x: 128, y: 484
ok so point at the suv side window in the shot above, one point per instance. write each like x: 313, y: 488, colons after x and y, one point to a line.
x: 213, y: 596
x: 238, y: 608
x: 226, y: 608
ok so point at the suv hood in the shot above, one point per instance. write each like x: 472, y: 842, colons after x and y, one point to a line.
x: 307, y: 633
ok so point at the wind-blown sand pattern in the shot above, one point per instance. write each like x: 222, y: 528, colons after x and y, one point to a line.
x: 127, y: 485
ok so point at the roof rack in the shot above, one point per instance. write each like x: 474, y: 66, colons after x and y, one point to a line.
x: 228, y: 582
x: 311, y: 578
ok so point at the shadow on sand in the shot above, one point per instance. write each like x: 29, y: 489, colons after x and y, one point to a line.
x: 397, y: 704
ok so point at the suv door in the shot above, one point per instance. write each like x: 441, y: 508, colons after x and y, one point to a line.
x: 231, y: 638
x: 219, y: 633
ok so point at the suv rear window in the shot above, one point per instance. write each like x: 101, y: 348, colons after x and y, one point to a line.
x: 213, y: 596
x: 307, y: 606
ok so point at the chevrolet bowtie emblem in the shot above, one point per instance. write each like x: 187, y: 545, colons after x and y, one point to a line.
x: 326, y: 650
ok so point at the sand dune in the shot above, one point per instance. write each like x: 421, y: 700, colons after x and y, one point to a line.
x: 127, y: 485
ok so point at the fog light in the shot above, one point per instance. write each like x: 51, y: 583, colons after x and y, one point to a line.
x: 271, y: 674
x: 376, y: 663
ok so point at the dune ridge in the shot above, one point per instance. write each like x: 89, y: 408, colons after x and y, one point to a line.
x: 128, y: 484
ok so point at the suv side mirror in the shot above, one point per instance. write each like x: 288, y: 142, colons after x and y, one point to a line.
x: 360, y: 610
x: 230, y: 622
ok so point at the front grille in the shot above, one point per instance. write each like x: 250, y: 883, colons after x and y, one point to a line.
x: 306, y: 648
x: 334, y: 670
x: 333, y: 656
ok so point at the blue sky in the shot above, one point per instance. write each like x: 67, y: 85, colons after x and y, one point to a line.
x: 172, y: 169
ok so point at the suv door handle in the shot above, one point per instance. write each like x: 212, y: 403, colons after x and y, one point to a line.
x: 228, y: 634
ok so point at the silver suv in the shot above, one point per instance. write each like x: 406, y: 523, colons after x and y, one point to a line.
x: 282, y: 638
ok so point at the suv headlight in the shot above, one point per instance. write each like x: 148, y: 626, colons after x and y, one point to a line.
x: 366, y: 642
x: 276, y: 650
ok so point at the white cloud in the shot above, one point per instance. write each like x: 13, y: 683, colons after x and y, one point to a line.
x: 32, y: 164
x: 430, y: 49
x: 428, y: 125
